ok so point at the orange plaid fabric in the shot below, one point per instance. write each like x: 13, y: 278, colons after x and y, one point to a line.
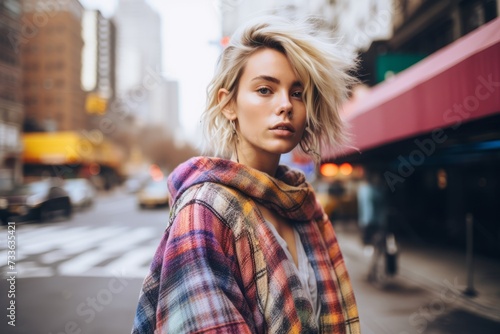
x: 219, y: 269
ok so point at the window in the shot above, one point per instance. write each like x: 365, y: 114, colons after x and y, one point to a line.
x: 49, y: 100
x: 30, y: 101
x: 475, y: 13
x: 59, y: 83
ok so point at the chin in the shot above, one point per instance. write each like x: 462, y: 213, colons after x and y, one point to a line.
x: 282, y: 149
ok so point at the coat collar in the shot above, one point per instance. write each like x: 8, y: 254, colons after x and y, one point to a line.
x: 288, y: 193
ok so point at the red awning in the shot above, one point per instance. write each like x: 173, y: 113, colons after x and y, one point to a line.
x: 455, y: 85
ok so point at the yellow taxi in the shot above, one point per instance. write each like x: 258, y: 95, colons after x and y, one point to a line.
x: 154, y: 194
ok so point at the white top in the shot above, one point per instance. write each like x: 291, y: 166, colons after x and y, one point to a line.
x: 304, y: 271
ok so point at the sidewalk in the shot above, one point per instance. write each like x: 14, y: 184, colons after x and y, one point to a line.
x: 439, y: 270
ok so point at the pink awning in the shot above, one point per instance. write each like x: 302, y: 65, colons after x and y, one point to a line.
x: 457, y: 84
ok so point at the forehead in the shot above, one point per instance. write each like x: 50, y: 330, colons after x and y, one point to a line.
x: 269, y: 62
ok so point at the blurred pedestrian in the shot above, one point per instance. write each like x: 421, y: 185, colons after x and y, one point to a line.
x: 248, y: 249
x: 371, y: 208
x: 378, y: 240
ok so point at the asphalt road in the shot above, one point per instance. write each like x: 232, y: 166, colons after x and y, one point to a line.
x: 83, y: 276
x: 406, y: 303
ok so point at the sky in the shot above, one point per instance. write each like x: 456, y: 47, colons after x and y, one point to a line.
x: 191, y: 29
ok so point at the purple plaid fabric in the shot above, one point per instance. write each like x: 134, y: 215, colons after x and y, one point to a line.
x: 219, y: 269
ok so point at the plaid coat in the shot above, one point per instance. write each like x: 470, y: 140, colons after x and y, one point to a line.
x: 219, y: 269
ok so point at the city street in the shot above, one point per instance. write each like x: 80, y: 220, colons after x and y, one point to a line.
x: 391, y: 109
x: 84, y: 275
x: 426, y: 296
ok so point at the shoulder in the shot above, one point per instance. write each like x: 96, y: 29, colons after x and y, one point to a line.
x: 211, y: 194
x: 228, y: 204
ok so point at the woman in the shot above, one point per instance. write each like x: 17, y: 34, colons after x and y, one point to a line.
x: 248, y: 249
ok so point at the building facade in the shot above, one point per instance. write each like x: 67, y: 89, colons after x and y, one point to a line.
x: 143, y: 90
x: 425, y: 26
x: 420, y: 28
x: 431, y: 130
x: 11, y: 109
x: 354, y: 23
x: 138, y: 43
x: 51, y: 50
x: 165, y: 104
x: 99, y: 55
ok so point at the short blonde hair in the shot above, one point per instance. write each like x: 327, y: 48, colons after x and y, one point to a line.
x: 323, y: 67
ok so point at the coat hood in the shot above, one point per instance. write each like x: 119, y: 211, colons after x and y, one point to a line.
x: 287, y: 193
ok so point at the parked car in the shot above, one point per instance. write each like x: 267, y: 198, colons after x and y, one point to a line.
x: 40, y: 200
x: 338, y: 201
x: 81, y: 192
x: 153, y: 194
x: 328, y: 196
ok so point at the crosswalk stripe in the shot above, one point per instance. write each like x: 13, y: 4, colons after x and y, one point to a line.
x: 95, y: 237
x: 84, y: 251
x: 85, y: 261
x: 127, y: 240
x: 54, y: 239
x: 135, y: 260
x: 53, y: 257
x: 26, y: 235
x: 72, y: 248
x: 25, y: 248
x: 81, y: 263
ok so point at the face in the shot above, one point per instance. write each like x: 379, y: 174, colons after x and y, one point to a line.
x: 269, y: 110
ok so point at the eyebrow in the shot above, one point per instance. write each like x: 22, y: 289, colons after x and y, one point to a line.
x: 275, y: 80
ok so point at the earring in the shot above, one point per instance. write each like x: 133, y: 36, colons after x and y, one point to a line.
x: 306, y: 147
x: 235, y: 153
x: 233, y: 126
x: 309, y: 131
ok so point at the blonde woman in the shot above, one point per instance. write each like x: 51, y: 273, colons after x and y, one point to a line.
x: 247, y: 248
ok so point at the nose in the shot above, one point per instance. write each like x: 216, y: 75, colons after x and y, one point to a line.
x: 284, y: 105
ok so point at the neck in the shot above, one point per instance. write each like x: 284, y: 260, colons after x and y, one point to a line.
x: 267, y: 163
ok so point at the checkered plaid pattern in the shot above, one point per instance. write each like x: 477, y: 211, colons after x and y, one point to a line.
x: 219, y: 269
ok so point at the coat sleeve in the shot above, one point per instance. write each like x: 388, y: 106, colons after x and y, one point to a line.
x: 345, y: 291
x: 194, y: 285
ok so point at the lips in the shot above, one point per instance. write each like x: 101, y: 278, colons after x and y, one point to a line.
x: 283, y: 126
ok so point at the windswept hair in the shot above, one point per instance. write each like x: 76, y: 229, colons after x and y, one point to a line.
x: 323, y: 67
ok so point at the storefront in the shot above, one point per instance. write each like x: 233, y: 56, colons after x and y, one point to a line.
x: 433, y: 132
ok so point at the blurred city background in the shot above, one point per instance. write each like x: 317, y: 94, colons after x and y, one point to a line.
x: 100, y: 100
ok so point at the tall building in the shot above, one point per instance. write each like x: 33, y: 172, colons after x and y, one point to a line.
x: 51, y: 49
x: 11, y: 110
x: 420, y: 28
x: 99, y: 54
x: 355, y: 23
x: 138, y: 42
x: 423, y: 26
x: 140, y: 82
x: 431, y: 130
x: 165, y: 103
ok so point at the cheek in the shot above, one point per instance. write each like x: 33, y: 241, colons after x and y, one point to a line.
x: 251, y: 124
x: 251, y: 110
x: 301, y: 116
x: 300, y: 133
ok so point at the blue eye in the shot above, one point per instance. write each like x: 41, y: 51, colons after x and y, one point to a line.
x: 264, y: 90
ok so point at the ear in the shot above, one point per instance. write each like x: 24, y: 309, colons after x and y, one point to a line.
x: 227, y: 110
